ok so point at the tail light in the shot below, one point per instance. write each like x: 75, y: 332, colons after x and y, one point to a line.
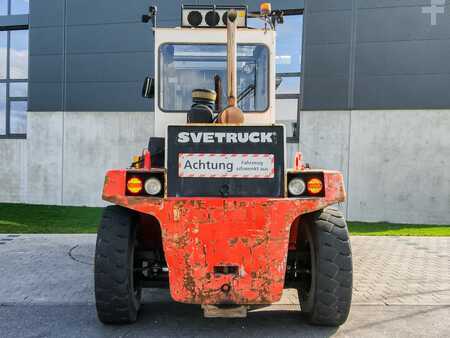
x: 134, y: 185
x: 314, y: 186
x: 305, y: 184
x: 145, y: 184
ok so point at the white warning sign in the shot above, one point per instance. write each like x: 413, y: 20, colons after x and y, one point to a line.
x: 226, y: 165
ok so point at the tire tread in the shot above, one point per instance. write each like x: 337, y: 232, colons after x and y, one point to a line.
x: 334, y: 269
x: 112, y: 289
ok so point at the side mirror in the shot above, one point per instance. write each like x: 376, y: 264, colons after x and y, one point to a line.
x: 148, y: 89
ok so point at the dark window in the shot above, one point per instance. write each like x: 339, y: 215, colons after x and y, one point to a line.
x: 13, y: 70
x: 184, y: 67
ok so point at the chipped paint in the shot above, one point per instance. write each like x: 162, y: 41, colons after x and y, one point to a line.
x: 253, y: 234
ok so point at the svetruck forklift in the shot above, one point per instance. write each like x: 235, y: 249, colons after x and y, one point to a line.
x: 209, y: 208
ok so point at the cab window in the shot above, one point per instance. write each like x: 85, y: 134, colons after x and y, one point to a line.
x: 184, y: 67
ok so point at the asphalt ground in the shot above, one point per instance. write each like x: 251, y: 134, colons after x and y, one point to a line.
x: 401, y: 289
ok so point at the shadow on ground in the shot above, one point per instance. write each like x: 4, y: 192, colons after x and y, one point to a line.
x: 157, y: 318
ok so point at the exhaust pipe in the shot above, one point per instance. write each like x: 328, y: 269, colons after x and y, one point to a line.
x: 232, y: 58
x: 231, y: 114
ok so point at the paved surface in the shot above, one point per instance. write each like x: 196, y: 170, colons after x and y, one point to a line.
x: 401, y: 289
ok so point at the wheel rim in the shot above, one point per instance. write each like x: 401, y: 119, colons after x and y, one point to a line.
x: 306, y: 266
x: 134, y: 275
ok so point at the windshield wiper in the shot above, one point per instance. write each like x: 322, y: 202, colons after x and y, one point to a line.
x: 246, y: 92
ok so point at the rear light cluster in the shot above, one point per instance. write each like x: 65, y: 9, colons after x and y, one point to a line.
x: 306, y: 184
x: 145, y: 184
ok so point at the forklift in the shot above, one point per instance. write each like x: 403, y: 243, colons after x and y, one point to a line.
x: 209, y: 208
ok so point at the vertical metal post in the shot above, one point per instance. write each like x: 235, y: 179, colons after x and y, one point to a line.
x: 232, y: 58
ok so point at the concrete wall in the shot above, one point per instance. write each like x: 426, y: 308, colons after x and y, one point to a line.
x: 70, y: 152
x: 395, y: 162
x: 13, y: 170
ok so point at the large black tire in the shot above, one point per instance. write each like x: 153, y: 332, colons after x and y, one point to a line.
x: 325, y: 288
x: 117, y: 287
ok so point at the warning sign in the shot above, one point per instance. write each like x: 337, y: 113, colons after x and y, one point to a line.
x: 226, y: 165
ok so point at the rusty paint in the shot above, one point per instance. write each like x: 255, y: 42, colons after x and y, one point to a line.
x: 201, y: 233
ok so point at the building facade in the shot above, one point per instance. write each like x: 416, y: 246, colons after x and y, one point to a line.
x: 365, y: 90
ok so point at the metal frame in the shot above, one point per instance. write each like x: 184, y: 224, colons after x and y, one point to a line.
x: 211, y: 36
x: 10, y: 23
x: 295, y: 138
x: 293, y: 96
x: 218, y: 58
x: 278, y: 15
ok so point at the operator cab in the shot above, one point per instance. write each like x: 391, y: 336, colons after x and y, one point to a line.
x: 188, y: 59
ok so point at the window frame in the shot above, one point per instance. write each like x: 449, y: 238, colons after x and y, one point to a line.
x: 7, y: 81
x: 295, y: 136
x: 159, y: 75
x: 9, y: 7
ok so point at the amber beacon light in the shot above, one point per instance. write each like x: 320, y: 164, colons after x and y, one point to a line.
x: 265, y: 8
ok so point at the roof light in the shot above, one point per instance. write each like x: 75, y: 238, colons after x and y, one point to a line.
x: 207, y: 16
x: 265, y: 8
x: 195, y: 18
x: 212, y: 18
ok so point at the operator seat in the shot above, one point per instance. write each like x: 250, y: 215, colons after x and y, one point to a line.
x: 202, y: 109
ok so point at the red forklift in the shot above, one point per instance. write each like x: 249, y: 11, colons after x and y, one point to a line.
x: 209, y: 208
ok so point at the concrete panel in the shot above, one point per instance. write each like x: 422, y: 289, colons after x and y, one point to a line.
x: 390, y: 3
x: 320, y: 64
x: 46, y: 13
x: 45, y: 96
x: 95, y: 142
x: 107, y: 11
x: 402, y: 91
x: 117, y: 37
x: 46, y: 40
x: 401, y: 23
x: 107, y: 96
x: 324, y: 139
x: 325, y: 93
x: 389, y: 58
x: 13, y: 170
x: 44, y: 135
x: 328, y: 27
x: 328, y: 5
x: 109, y: 67
x: 46, y: 68
x: 399, y: 166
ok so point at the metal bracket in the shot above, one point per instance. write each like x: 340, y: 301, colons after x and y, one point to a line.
x: 151, y: 16
x: 214, y: 311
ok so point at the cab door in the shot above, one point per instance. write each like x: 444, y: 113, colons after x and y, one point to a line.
x: 288, y: 67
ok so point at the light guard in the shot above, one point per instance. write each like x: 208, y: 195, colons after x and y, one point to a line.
x: 211, y: 16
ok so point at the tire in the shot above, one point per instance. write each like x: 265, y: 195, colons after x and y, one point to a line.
x: 117, y: 287
x: 325, y: 259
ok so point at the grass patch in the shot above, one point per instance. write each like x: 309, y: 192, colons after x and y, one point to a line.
x: 42, y: 219
x: 390, y: 229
